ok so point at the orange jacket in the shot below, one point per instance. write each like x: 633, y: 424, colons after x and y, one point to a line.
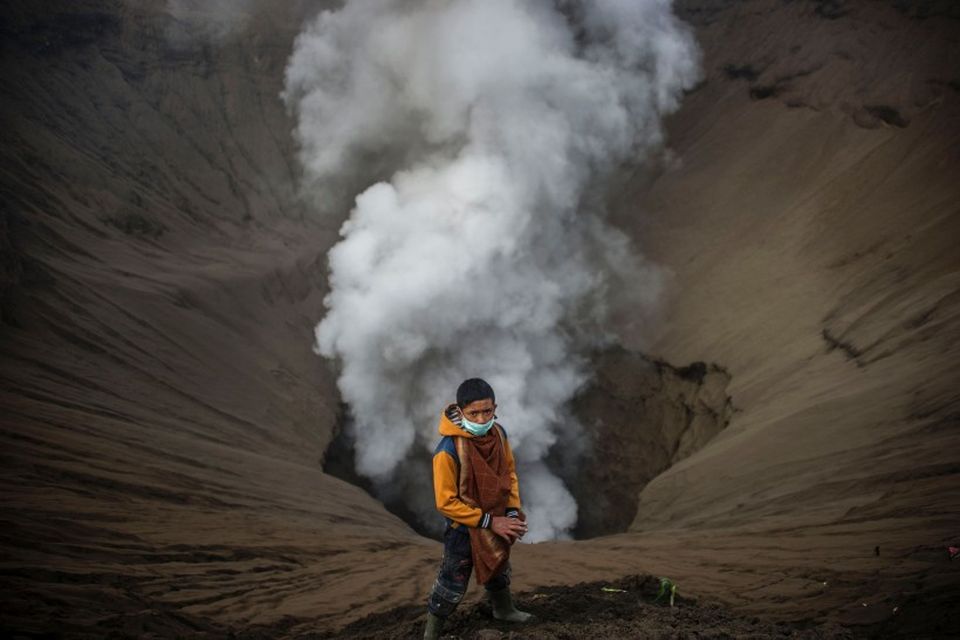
x: 446, y: 476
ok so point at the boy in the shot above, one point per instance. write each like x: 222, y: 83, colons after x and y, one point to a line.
x: 476, y: 489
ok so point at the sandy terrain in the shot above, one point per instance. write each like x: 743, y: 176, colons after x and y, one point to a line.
x: 165, y: 424
x: 632, y: 607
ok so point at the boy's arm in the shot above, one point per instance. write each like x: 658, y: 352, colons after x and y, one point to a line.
x: 447, y: 496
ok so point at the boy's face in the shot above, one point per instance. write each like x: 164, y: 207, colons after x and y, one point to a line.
x: 479, y: 411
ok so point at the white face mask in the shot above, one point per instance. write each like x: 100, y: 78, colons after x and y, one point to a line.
x: 475, y: 428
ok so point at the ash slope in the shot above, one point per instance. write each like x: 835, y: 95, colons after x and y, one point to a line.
x: 164, y: 426
x: 164, y: 420
x: 810, y: 214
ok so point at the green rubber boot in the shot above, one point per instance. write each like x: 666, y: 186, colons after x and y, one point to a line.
x: 503, y: 608
x: 432, y: 629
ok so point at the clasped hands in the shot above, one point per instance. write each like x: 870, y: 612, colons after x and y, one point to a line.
x: 510, y: 529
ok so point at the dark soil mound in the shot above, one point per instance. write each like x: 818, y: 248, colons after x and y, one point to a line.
x: 626, y: 609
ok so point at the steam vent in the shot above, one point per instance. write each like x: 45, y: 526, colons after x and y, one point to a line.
x: 705, y: 253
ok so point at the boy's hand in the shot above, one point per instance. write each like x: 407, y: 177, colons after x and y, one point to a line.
x: 510, y: 529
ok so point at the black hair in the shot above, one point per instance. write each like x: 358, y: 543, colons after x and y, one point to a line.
x: 472, y: 390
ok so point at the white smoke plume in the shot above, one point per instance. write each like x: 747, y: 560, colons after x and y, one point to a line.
x: 479, y: 132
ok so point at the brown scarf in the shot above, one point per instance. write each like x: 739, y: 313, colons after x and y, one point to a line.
x: 485, y: 482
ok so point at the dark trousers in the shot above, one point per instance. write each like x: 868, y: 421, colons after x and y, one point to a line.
x: 454, y: 575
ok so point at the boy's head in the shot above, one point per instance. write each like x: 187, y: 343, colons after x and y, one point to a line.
x: 476, y: 400
x: 472, y: 390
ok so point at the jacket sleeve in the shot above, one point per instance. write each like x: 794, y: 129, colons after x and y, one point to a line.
x: 513, y: 502
x: 447, y: 494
